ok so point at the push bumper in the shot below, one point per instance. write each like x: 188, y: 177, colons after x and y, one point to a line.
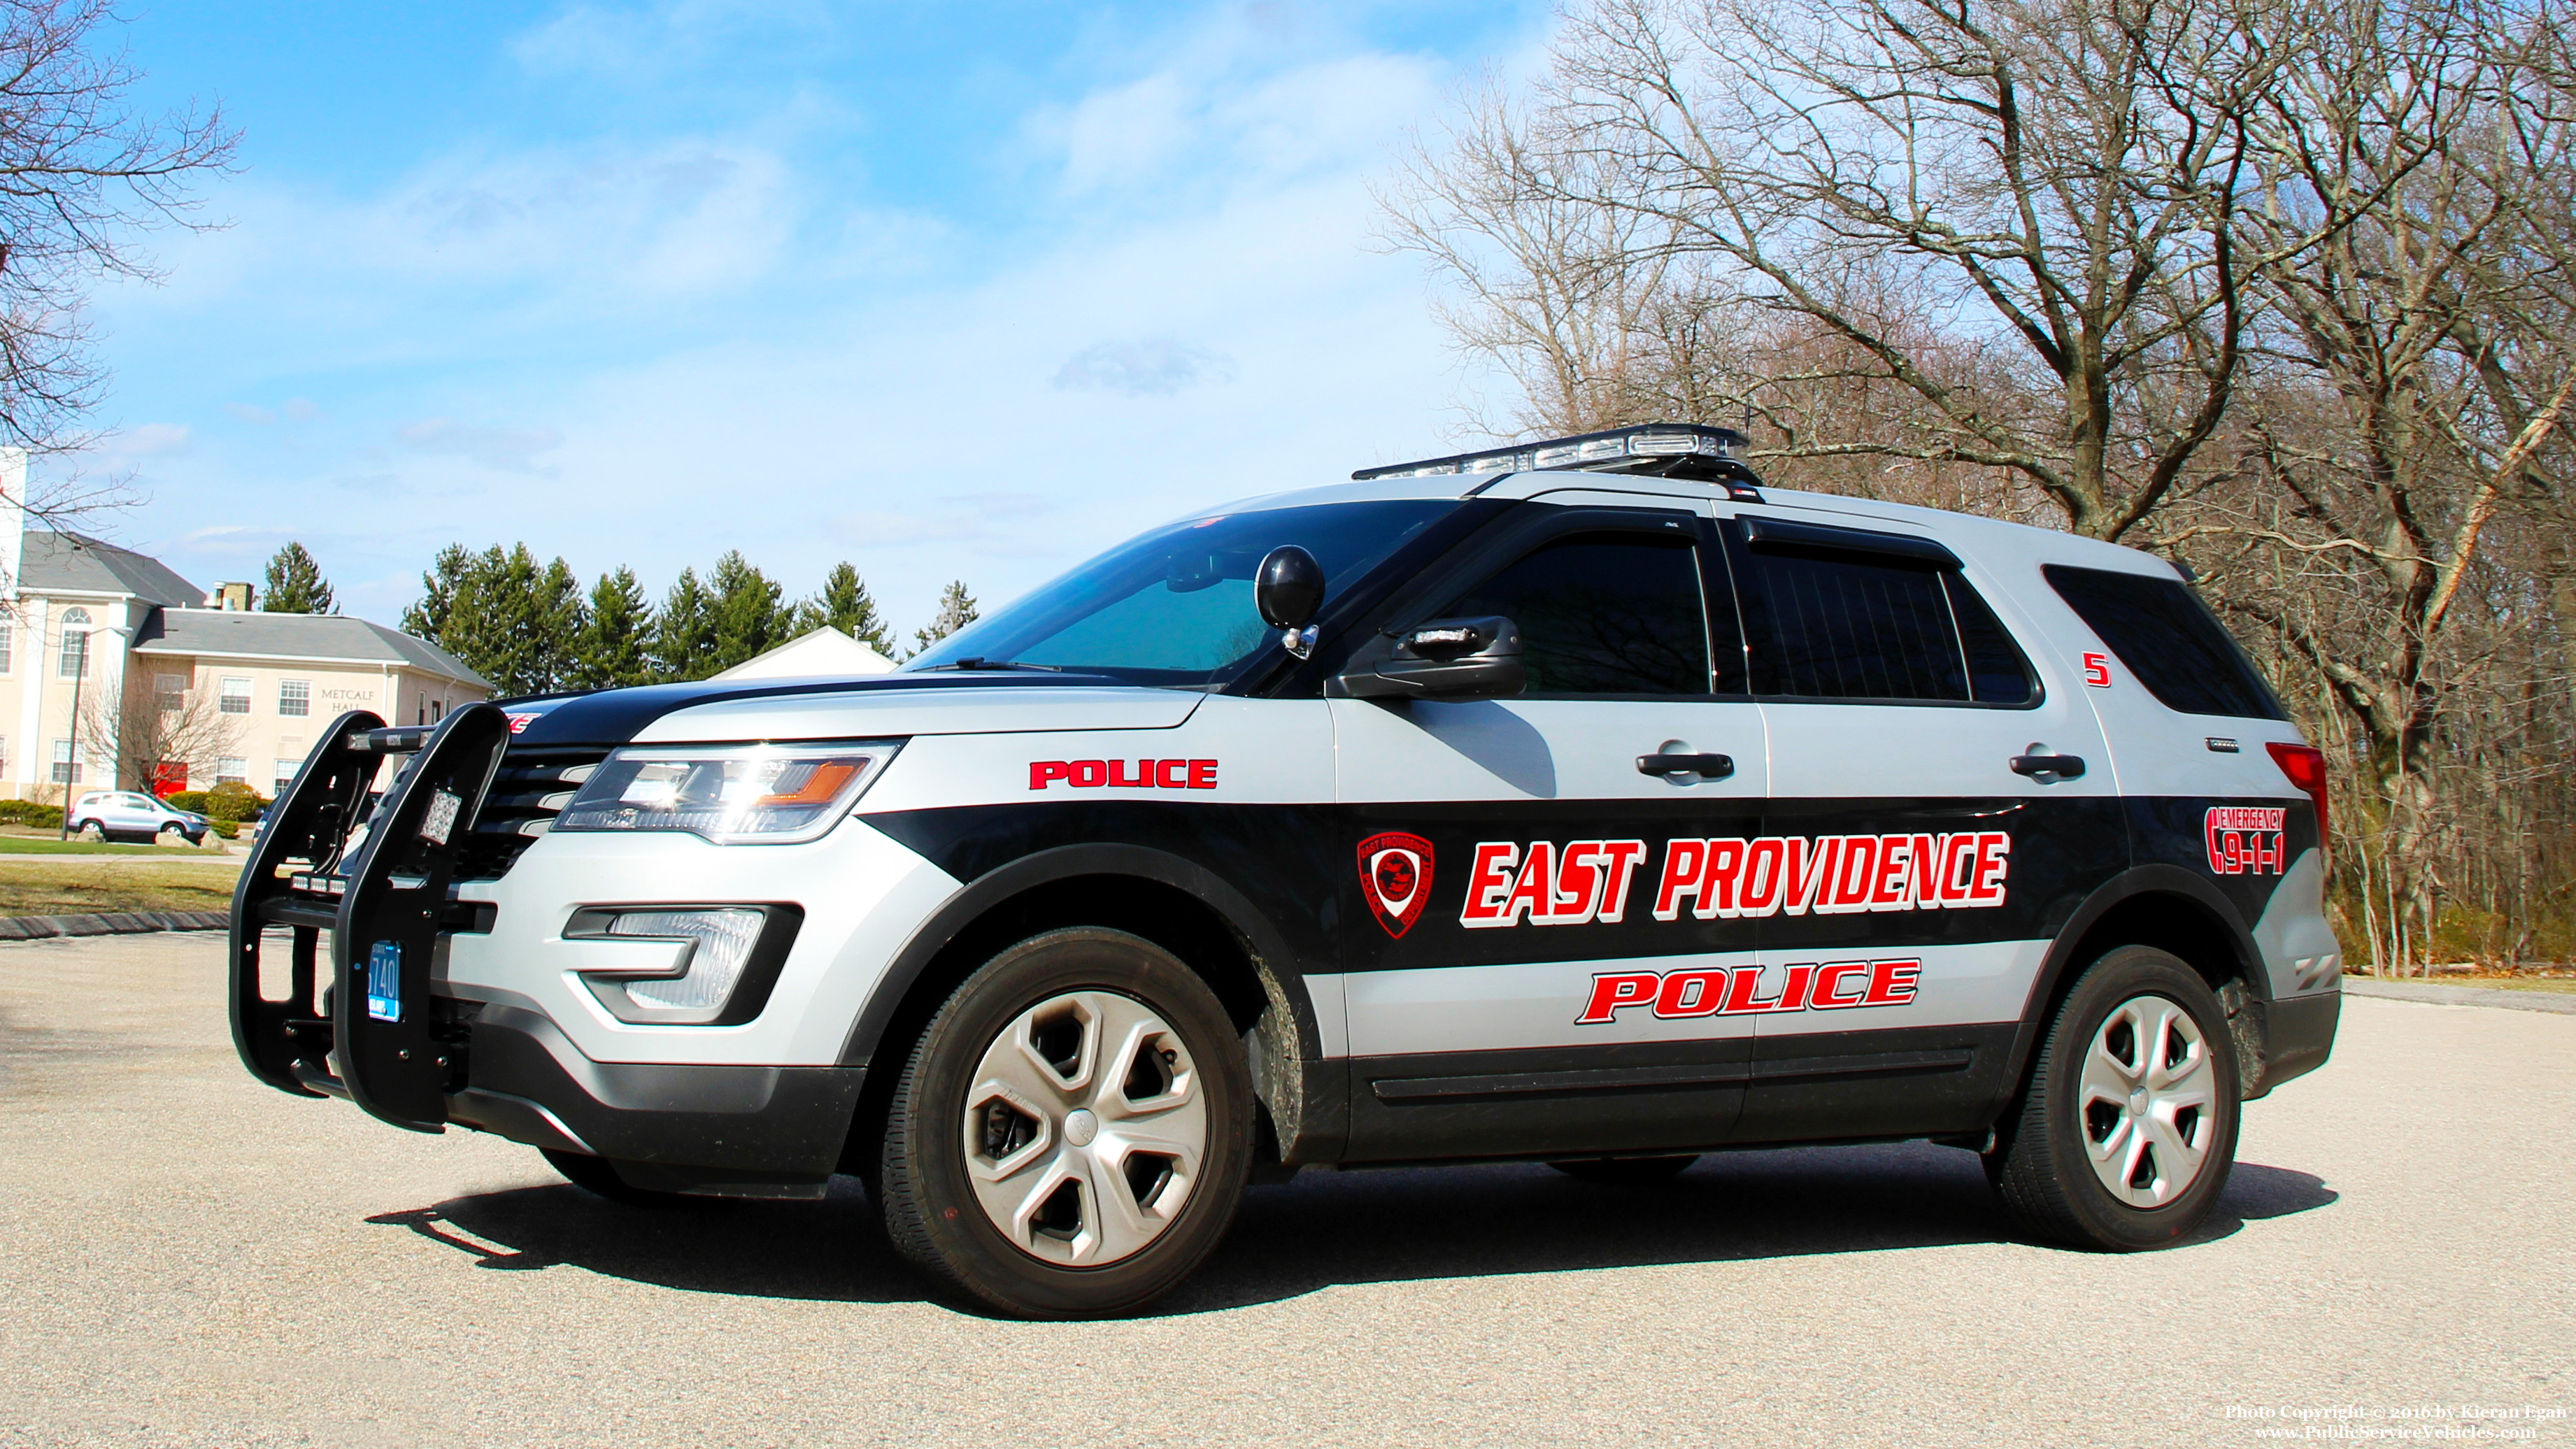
x: 724, y: 1131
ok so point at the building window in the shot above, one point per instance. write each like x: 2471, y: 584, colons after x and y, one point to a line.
x: 7, y: 659
x: 295, y: 697
x: 4, y: 754
x: 75, y: 660
x: 170, y: 692
x: 286, y: 769
x: 67, y: 770
x: 235, y: 698
x: 232, y: 770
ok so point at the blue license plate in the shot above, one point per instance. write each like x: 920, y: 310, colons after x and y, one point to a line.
x: 384, y: 981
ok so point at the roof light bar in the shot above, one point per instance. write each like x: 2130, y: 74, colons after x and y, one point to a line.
x: 1672, y: 450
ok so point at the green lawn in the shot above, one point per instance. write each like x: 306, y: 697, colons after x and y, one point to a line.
x: 47, y: 845
x: 64, y: 888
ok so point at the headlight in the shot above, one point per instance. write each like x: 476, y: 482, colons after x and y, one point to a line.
x: 730, y: 794
x: 728, y: 958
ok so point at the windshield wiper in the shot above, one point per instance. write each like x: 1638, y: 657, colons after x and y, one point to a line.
x: 978, y: 662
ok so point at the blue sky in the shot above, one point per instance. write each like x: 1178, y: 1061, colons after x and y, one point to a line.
x: 953, y: 291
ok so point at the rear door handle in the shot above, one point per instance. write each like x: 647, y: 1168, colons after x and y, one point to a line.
x: 1707, y: 767
x: 2064, y: 767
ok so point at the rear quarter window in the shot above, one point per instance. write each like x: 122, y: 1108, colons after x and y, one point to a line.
x: 2168, y: 638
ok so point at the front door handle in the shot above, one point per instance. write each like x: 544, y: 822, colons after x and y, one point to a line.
x: 2064, y: 767
x: 1707, y: 767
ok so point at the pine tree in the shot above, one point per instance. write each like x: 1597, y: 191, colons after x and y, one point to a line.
x: 747, y: 617
x: 684, y: 637
x: 956, y: 611
x: 614, y: 648
x: 296, y: 585
x: 846, y: 605
x: 510, y: 620
x: 427, y: 617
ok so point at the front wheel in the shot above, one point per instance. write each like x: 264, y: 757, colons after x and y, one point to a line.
x: 1071, y: 1135
x: 2126, y: 1135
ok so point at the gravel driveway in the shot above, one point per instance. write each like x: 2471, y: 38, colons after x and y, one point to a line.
x: 194, y: 1259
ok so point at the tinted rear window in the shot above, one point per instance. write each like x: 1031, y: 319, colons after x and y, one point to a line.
x: 2168, y: 638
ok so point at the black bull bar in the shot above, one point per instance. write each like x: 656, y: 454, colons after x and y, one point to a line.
x: 376, y: 880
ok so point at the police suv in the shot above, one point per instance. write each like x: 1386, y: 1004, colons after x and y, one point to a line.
x: 1583, y: 802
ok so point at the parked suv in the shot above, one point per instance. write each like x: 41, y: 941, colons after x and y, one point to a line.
x: 132, y: 815
x: 1584, y: 803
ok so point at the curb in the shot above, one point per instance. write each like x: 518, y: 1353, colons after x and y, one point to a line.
x: 113, y: 923
x: 2428, y: 993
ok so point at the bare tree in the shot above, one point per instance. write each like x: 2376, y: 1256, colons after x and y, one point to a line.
x: 83, y: 173
x: 145, y: 728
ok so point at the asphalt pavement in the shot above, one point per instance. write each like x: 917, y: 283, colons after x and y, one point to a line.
x: 193, y: 1259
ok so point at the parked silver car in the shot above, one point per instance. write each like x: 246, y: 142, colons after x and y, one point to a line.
x: 109, y: 814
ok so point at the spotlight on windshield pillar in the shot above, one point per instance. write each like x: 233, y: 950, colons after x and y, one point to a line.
x: 1288, y: 590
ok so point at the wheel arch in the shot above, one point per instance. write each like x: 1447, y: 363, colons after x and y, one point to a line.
x: 1163, y: 898
x: 2171, y: 909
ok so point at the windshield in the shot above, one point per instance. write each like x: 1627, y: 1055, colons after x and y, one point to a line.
x: 1175, y: 606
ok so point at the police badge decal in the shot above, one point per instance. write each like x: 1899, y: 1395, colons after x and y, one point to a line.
x: 1395, y: 876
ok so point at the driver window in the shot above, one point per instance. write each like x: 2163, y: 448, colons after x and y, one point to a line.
x: 1603, y: 613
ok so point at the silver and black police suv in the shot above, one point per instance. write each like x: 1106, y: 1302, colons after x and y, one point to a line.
x: 1582, y: 802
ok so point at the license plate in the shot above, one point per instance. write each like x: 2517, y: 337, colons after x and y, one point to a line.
x: 384, y: 981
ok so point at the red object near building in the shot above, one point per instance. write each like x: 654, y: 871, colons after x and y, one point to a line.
x: 169, y: 777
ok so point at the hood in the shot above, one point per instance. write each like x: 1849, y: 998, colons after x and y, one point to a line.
x: 812, y: 709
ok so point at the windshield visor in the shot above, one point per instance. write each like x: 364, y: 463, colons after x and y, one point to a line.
x: 1175, y: 606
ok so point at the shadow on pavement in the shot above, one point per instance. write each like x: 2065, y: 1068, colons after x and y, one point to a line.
x: 1329, y: 1228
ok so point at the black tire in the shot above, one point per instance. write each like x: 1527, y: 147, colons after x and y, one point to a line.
x: 167, y: 833
x: 2043, y: 1162
x: 923, y: 1182
x: 598, y: 1177
x: 1625, y: 1171
x: 91, y: 831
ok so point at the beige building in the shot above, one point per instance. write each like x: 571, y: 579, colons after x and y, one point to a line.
x: 117, y: 672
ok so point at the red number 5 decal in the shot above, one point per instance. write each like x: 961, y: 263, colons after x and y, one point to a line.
x: 2097, y: 671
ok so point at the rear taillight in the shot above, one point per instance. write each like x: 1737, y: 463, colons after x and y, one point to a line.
x: 2306, y: 767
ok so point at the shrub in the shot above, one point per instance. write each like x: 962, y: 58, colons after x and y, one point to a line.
x: 233, y: 800
x: 31, y: 813
x: 189, y: 800
x: 228, y: 829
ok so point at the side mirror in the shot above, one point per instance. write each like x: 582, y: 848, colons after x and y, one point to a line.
x: 1288, y: 588
x: 1443, y: 659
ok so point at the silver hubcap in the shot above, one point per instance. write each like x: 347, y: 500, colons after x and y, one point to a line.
x: 1085, y: 1128
x: 2149, y: 1102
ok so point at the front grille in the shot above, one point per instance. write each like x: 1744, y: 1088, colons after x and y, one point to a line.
x: 531, y: 789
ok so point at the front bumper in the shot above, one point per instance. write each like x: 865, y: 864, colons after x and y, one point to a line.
x: 718, y: 1130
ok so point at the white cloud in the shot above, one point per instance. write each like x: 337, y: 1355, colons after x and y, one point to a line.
x: 250, y: 414
x: 507, y: 450
x: 642, y: 42
x: 1149, y: 365
x: 151, y: 440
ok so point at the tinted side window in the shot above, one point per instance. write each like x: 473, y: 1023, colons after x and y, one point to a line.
x: 1603, y: 614
x: 2168, y: 638
x: 1850, y: 626
x: 1997, y: 672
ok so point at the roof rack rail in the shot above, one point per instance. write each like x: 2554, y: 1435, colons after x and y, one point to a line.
x: 1665, y: 450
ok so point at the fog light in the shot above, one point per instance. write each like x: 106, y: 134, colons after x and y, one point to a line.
x: 729, y: 958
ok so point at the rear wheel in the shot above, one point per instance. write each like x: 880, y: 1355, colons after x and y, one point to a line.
x: 1625, y: 1171
x: 1070, y: 1136
x: 2126, y: 1135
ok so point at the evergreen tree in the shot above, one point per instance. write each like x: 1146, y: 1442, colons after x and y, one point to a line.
x: 427, y: 617
x: 296, y: 585
x: 614, y: 648
x: 684, y: 637
x: 956, y: 611
x: 747, y: 616
x: 846, y: 605
x: 510, y: 619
